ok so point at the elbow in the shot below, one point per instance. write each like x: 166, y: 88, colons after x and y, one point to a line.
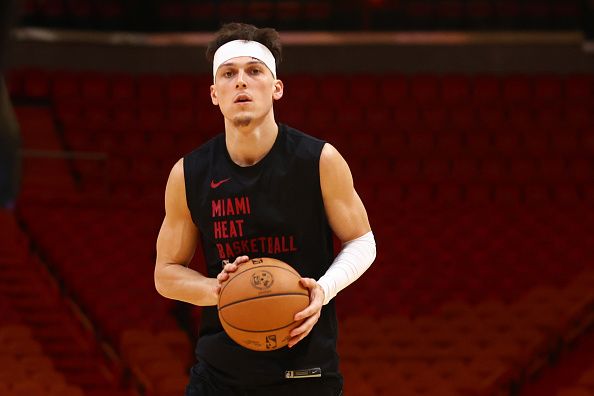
x: 160, y: 283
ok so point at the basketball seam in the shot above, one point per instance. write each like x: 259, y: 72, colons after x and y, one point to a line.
x: 257, y: 331
x: 260, y: 266
x: 263, y: 296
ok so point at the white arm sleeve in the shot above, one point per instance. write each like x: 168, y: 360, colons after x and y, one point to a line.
x: 354, y: 259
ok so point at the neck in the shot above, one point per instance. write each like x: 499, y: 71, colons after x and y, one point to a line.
x: 248, y: 145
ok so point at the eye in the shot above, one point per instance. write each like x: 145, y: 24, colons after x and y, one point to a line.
x: 256, y: 71
x: 228, y: 74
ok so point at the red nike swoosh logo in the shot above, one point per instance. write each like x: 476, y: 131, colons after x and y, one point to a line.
x: 214, y: 184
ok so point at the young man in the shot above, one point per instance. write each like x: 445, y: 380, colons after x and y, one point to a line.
x: 261, y: 189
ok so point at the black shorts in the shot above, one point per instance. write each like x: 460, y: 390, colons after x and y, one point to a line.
x: 203, y: 384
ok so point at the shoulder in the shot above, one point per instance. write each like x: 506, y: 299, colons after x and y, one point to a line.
x: 330, y: 158
x: 334, y: 171
x: 176, y: 175
x: 302, y: 145
x: 297, y: 135
x: 205, y: 147
x: 330, y: 153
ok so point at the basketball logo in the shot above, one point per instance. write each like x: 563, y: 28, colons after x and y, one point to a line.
x: 271, y: 341
x: 262, y: 280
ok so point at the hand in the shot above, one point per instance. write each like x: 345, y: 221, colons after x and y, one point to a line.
x: 228, y: 268
x: 311, y: 313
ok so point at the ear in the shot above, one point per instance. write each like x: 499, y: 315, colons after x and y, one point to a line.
x: 213, y: 95
x: 278, y: 90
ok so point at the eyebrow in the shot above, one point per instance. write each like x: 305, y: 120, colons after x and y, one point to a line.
x: 248, y: 63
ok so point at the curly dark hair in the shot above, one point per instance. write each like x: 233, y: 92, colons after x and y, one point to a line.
x: 243, y: 31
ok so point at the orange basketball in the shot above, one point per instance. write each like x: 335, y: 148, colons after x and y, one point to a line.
x: 258, y: 302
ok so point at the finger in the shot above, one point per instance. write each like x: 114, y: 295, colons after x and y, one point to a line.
x: 302, y: 331
x: 311, y: 309
x: 297, y: 331
x: 293, y: 341
x: 308, y: 283
x: 241, y: 259
x: 222, y: 276
x: 306, y: 326
x: 296, y: 339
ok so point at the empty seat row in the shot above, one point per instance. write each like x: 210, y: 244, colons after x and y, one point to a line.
x: 52, y: 353
x: 306, y: 14
x: 421, y: 89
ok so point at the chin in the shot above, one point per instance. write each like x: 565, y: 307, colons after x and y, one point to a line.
x: 242, y: 121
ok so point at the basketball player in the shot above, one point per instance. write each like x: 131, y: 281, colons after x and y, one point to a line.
x: 261, y: 189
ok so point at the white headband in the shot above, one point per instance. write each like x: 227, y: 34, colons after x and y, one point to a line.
x: 237, y: 48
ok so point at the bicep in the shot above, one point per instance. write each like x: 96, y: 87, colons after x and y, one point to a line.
x: 344, y: 209
x: 178, y: 235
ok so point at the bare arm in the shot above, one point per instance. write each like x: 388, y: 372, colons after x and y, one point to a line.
x: 348, y: 219
x: 176, y: 245
x: 346, y: 214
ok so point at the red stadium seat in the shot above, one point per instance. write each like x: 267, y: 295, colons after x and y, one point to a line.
x: 537, y: 194
x: 424, y: 89
x: 492, y: 118
x: 479, y: 142
x: 232, y: 10
x: 486, y: 89
x: 566, y: 194
x: 66, y: 86
x: 494, y: 170
x: 434, y: 119
x: 363, y: 89
x: 507, y: 142
x: 301, y: 89
x: 394, y: 90
x: 465, y: 170
x: 564, y: 142
x: 421, y: 143
x: 520, y: 118
x: 124, y: 90
x: 507, y: 194
x: 151, y: 91
x: 579, y: 88
x: 448, y: 193
x: 95, y: 89
x: 334, y: 90
x: 552, y: 169
x: 535, y: 142
x: 455, y: 89
x: 547, y: 117
x: 580, y: 170
x: 261, y: 11
x: 449, y: 143
x: 406, y: 170
x: 548, y: 89
x: 36, y: 84
x: 406, y: 117
x: 180, y: 90
x: 379, y: 119
x: 523, y: 170
x: 517, y: 90
x: 394, y: 143
x: 464, y: 119
x: 579, y: 116
x: 436, y: 170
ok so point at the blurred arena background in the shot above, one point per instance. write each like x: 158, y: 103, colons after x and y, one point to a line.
x: 469, y: 128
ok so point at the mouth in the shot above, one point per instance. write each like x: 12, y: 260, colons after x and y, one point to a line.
x: 242, y: 98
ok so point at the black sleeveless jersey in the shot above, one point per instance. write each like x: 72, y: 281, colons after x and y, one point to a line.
x: 271, y: 209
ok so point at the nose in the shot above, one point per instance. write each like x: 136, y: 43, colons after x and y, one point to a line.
x: 240, y: 83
